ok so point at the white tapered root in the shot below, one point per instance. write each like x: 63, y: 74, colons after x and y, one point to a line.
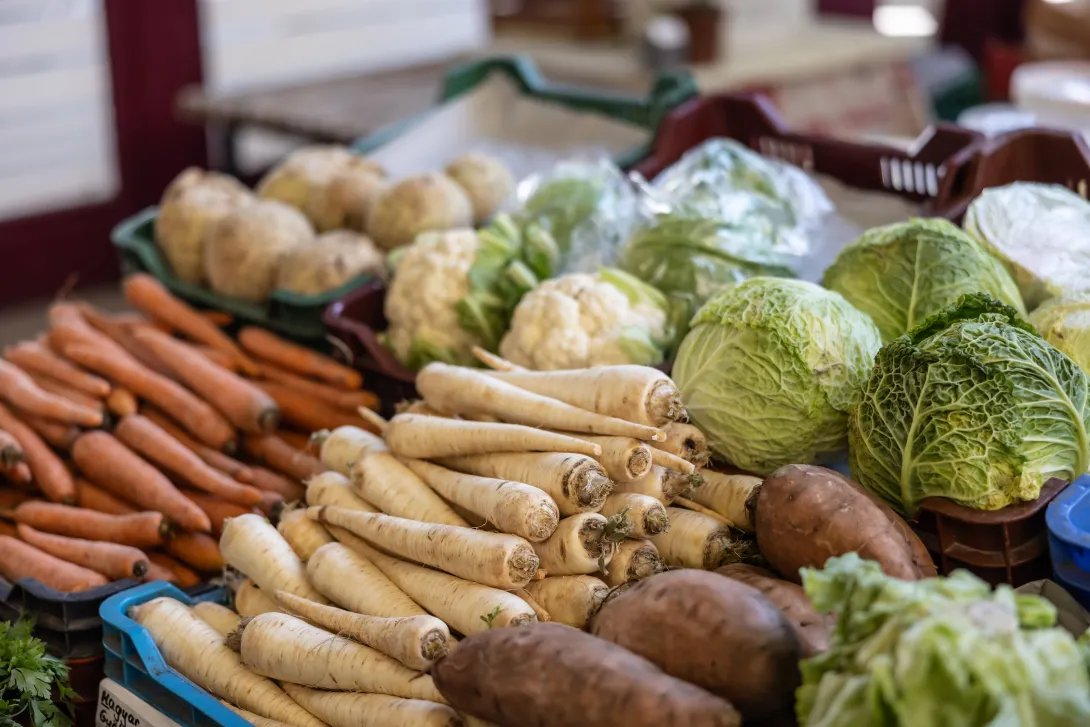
x: 428, y: 437
x: 571, y: 600
x: 671, y: 461
x: 354, y: 583
x: 252, y: 601
x: 647, y: 514
x: 634, y: 559
x: 623, y: 458
x: 344, y: 445
x: 333, y: 488
x: 662, y: 484
x: 255, y: 719
x: 732, y: 496
x: 252, y: 545
x: 394, y: 489
x: 696, y: 540
x: 581, y: 545
x: 222, y: 619
x: 346, y: 709
x: 303, y: 534
x: 687, y: 442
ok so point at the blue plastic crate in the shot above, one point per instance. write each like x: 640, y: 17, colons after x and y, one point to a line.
x: 1068, y: 519
x: 133, y: 660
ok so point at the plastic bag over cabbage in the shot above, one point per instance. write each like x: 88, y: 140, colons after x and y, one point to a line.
x: 971, y: 405
x: 589, y: 208
x: 937, y: 653
x: 1041, y: 232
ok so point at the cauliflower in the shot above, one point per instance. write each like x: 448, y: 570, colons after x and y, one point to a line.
x: 581, y: 320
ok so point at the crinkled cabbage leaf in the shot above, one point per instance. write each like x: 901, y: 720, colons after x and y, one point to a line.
x: 1065, y: 323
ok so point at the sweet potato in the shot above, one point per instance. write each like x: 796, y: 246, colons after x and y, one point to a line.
x: 711, y: 631
x: 812, y: 628
x: 551, y: 675
x: 806, y: 515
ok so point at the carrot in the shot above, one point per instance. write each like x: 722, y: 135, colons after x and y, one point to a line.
x: 339, y: 398
x: 272, y: 483
x: 687, y: 442
x: 97, y: 499
x: 385, y: 481
x: 350, y: 709
x: 8, y: 529
x: 218, y: 357
x: 301, y: 410
x: 49, y: 472
x: 212, y: 457
x: 60, y: 436
x: 733, y: 497
x: 197, y: 550
x: 468, y: 391
x: 20, y: 560
x: 492, y: 559
x: 427, y: 437
x: 647, y: 515
x: 116, y: 331
x: 340, y: 448
x: 198, y: 417
x: 218, y: 318
x: 570, y: 600
x: 110, y: 464
x: 161, y: 567
x: 351, y: 580
x: 146, y: 438
x: 11, y: 498
x: 148, y: 295
x: 662, y: 484
x: 333, y: 488
x: 35, y: 358
x: 281, y: 456
x: 269, y: 347
x: 11, y: 452
x: 19, y: 474
x: 121, y: 402
x: 216, y: 509
x: 221, y: 618
x: 252, y: 545
x: 57, y: 388
x: 140, y: 529
x: 696, y: 540
x: 110, y: 559
x: 246, y: 406
x: 19, y: 389
x: 68, y: 326
x: 582, y: 544
x: 299, y: 441
x: 194, y: 648
x: 634, y: 559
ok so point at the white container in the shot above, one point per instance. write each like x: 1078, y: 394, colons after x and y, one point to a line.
x: 1056, y: 93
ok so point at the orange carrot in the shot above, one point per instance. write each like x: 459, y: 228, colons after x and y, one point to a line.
x: 217, y: 509
x: 19, y: 560
x: 271, y: 482
x: 149, y: 296
x: 112, y: 560
x: 164, y: 568
x: 338, y: 398
x: 18, y: 474
x: 52, y: 477
x: 244, y: 405
x: 19, y: 389
x: 97, y: 499
x: 281, y: 456
x: 196, y: 415
x: 8, y: 529
x: 298, y: 440
x: 139, y: 529
x: 121, y: 402
x: 115, y: 329
x: 199, y: 551
x: 269, y: 347
x: 212, y: 457
x: 11, y: 498
x: 58, y: 388
x: 35, y: 358
x: 301, y: 410
x: 68, y: 326
x: 218, y: 357
x: 61, y: 436
x: 110, y: 464
x: 218, y: 318
x: 11, y: 454
x: 149, y: 440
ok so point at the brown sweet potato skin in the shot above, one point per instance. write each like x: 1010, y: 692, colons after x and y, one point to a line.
x: 711, y: 631
x: 812, y: 628
x: 806, y: 515
x: 550, y: 675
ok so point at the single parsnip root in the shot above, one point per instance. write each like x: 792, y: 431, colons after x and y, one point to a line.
x: 732, y: 496
x: 624, y: 458
x: 220, y: 618
x: 347, y: 709
x: 634, y: 559
x: 415, y: 641
x: 647, y: 515
x: 195, y: 649
x: 696, y: 540
x: 468, y: 391
x: 687, y: 442
x: 380, y: 478
x: 697, y: 507
x: 252, y: 601
x: 353, y: 582
x: 333, y: 488
x: 467, y: 607
x: 286, y: 648
x: 571, y: 600
x: 303, y: 534
x: 344, y: 445
x: 638, y: 394
x: 662, y: 458
x: 252, y: 545
x: 255, y: 719
x: 582, y: 544
x: 494, y: 559
x: 662, y: 484
x: 428, y: 437
x: 513, y: 507
x: 576, y: 482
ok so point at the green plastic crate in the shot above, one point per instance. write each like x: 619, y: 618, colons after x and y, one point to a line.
x: 290, y: 314
x: 671, y: 89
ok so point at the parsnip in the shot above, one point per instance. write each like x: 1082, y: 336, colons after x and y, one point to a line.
x: 662, y: 484
x: 194, y: 648
x: 255, y: 719
x: 581, y: 545
x: 732, y: 496
x: 513, y: 507
x: 222, y: 619
x: 571, y: 600
x: 415, y: 641
x: 687, y: 442
x: 252, y: 545
x: 428, y: 437
x: 382, y: 479
x: 624, y: 458
x: 494, y: 559
x: 647, y: 514
x: 346, y: 709
x: 333, y: 488
x: 344, y: 445
x: 353, y: 582
x: 252, y: 601
x: 303, y: 534
x: 286, y: 648
x: 698, y: 541
x: 576, y: 482
x: 671, y: 461
x: 634, y: 559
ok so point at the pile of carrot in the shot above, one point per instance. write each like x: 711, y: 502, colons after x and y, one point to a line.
x: 127, y: 440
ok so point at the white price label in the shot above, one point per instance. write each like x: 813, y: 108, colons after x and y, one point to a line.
x: 118, y: 707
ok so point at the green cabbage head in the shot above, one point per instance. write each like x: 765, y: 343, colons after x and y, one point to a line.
x: 1065, y: 323
x: 902, y: 273
x: 971, y: 405
x: 770, y: 370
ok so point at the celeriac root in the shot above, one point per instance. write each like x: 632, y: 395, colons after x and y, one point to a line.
x: 494, y: 559
x: 355, y: 583
x: 252, y: 601
x: 415, y: 641
x: 634, y: 559
x: 222, y: 619
x: 696, y: 540
x: 581, y: 545
x: 394, y: 489
x: 571, y: 600
x: 344, y: 445
x: 333, y: 488
x: 428, y: 437
x: 662, y: 484
x: 648, y: 515
x: 732, y: 496
x: 687, y: 442
x: 252, y: 545
x: 303, y: 534
x: 346, y: 709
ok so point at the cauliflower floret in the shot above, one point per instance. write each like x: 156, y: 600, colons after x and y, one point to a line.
x: 581, y: 320
x: 421, y: 303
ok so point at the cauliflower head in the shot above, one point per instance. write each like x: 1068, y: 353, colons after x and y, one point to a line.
x: 581, y: 320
